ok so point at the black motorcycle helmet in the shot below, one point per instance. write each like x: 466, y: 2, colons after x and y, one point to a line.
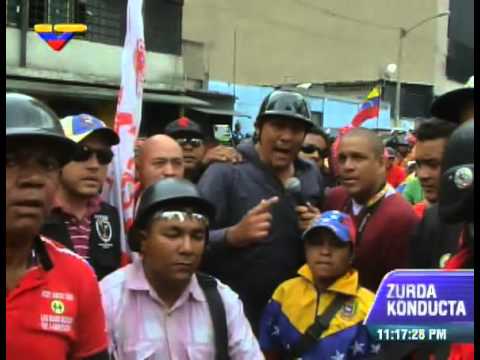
x: 456, y: 195
x: 28, y: 118
x: 167, y: 194
x: 288, y: 104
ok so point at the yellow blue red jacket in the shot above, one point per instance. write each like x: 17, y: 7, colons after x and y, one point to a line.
x: 294, y: 307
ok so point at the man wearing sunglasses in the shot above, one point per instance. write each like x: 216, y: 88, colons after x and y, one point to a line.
x: 316, y: 147
x: 80, y: 219
x: 159, y: 307
x: 196, y: 155
x: 53, y: 306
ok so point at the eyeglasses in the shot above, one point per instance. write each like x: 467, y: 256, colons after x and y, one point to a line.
x: 84, y: 153
x: 193, y: 142
x: 310, y: 149
x: 180, y: 216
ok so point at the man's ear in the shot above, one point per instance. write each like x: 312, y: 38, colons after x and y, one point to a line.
x: 257, y: 129
x: 141, y: 237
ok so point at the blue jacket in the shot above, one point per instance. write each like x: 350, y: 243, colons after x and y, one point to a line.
x: 294, y: 306
x: 234, y: 189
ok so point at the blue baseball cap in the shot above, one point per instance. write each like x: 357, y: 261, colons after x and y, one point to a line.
x: 79, y: 127
x: 339, y: 223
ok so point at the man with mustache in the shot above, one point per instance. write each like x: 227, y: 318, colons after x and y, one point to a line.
x: 255, y: 242
x: 384, y: 220
x: 159, y: 307
x: 80, y: 219
x: 53, y: 306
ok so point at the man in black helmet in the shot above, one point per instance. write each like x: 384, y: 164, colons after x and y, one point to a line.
x: 53, y: 306
x: 255, y: 245
x: 456, y: 203
x: 158, y: 306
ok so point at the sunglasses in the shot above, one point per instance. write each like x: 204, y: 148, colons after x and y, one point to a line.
x: 84, y: 153
x: 193, y: 142
x: 180, y: 216
x: 310, y: 149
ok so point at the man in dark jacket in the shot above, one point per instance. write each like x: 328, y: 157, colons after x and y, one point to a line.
x: 80, y: 219
x: 256, y: 242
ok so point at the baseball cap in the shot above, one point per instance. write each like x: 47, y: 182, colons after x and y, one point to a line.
x: 339, y: 223
x: 79, y: 127
x: 449, y: 105
x: 184, y: 126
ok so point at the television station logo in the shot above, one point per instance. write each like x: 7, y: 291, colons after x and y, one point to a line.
x: 57, y: 36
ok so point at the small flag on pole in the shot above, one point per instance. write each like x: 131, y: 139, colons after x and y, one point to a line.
x: 369, y: 109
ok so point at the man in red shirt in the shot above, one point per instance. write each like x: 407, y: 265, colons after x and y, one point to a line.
x: 53, y: 304
x: 396, y: 174
x: 383, y: 218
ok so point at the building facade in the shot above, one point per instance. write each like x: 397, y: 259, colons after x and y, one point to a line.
x: 339, y: 49
x: 85, y: 76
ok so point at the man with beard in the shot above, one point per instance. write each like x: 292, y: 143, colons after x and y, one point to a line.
x: 80, y: 219
x: 255, y: 242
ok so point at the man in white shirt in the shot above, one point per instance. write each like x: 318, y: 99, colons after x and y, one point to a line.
x: 158, y: 307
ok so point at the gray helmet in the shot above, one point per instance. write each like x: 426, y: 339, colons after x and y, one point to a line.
x: 167, y: 193
x: 29, y: 118
x: 288, y: 104
x: 456, y: 195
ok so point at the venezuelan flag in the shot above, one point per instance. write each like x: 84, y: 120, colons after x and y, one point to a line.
x: 370, y: 108
x: 56, y: 42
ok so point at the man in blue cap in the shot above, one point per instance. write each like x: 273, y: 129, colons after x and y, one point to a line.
x: 80, y: 219
x: 319, y: 314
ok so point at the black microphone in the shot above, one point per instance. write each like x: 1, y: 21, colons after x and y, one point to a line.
x: 294, y: 188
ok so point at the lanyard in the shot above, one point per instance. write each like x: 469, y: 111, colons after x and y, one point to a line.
x: 367, y: 211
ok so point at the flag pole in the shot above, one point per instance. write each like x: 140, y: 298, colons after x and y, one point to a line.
x: 379, y: 102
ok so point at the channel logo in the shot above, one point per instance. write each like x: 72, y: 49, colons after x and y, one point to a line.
x: 57, y: 36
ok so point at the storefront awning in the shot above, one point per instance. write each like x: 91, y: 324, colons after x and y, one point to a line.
x: 95, y: 92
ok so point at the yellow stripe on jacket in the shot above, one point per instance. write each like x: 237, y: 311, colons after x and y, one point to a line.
x: 298, y: 300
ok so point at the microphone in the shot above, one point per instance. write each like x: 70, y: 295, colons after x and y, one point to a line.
x: 294, y: 188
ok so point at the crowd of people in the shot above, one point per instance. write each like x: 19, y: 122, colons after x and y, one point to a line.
x: 256, y: 250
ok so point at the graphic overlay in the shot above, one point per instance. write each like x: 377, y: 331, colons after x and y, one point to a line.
x: 425, y: 306
x: 57, y: 36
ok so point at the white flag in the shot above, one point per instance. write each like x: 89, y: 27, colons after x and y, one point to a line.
x: 120, y: 186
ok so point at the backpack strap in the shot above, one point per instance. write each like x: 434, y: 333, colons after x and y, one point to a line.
x: 313, y: 333
x: 217, y: 313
